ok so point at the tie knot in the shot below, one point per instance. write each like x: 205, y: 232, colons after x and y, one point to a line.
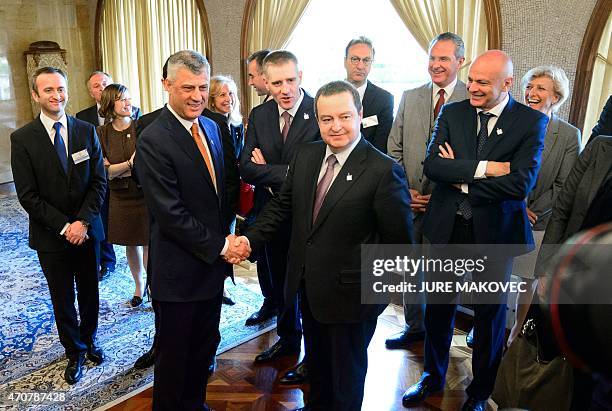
x: 194, y: 130
x: 441, y: 92
x: 286, y: 116
x: 484, y: 117
x: 57, y: 126
x: 331, y: 160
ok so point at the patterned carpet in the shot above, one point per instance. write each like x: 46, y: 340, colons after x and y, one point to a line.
x: 32, y: 359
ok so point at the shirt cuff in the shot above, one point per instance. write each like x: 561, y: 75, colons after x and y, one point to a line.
x: 464, y: 188
x: 65, y: 228
x: 225, y: 247
x: 481, y: 170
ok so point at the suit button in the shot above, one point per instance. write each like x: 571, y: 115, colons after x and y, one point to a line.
x: 420, y: 180
x: 308, y: 243
x: 422, y: 162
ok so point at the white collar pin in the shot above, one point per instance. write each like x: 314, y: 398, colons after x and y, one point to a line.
x: 306, y: 116
x: 499, y: 132
x: 349, y: 177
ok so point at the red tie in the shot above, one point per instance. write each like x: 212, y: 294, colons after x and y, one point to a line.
x: 196, y: 136
x: 439, y: 104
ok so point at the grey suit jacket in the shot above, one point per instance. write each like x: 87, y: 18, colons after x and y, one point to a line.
x: 561, y: 147
x: 581, y: 186
x: 412, y: 129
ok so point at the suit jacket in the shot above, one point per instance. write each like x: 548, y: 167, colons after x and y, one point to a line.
x: 144, y: 121
x: 232, y: 138
x: 50, y: 197
x: 604, y: 124
x: 561, y: 147
x: 498, y: 204
x: 187, y: 228
x: 377, y: 102
x: 372, y: 207
x: 412, y: 129
x: 90, y: 114
x: 569, y: 211
x: 263, y: 132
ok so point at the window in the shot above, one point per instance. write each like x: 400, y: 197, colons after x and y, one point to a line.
x: 320, y: 38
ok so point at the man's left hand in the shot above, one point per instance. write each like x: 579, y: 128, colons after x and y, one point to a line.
x: 76, y: 233
x: 446, y: 151
x: 257, y: 157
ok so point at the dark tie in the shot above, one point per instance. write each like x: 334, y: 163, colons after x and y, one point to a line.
x: 323, y: 186
x: 196, y: 136
x: 439, y: 103
x: 465, y: 208
x: 60, y: 147
x: 287, y: 117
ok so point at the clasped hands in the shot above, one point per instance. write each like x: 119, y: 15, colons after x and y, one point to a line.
x: 238, y: 250
x: 494, y: 168
x: 76, y: 233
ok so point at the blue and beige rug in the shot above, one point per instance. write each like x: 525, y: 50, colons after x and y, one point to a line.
x: 32, y: 359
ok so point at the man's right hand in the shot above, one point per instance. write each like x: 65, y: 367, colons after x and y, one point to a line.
x: 497, y: 169
x: 418, y: 202
x: 238, y: 250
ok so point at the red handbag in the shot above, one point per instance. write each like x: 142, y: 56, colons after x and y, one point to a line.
x: 246, y: 198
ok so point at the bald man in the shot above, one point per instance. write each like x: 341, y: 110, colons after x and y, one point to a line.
x: 484, y: 157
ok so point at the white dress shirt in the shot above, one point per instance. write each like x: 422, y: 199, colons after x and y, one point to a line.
x: 342, y: 156
x: 48, y: 123
x: 448, y: 91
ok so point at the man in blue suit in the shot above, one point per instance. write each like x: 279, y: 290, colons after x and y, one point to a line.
x: 484, y: 158
x: 180, y: 167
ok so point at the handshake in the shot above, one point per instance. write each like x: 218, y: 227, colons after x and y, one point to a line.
x: 238, y: 250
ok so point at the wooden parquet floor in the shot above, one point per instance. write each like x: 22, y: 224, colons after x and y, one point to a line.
x: 239, y: 385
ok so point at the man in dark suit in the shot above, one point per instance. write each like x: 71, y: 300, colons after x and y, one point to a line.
x: 338, y: 195
x: 60, y: 181
x: 275, y: 131
x: 484, y: 157
x: 96, y: 83
x: 181, y: 150
x: 377, y: 102
x: 407, y: 144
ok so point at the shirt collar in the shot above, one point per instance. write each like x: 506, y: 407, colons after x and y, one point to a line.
x: 343, y: 155
x: 48, y: 122
x: 186, y: 123
x: 361, y: 90
x: 497, y: 110
x: 295, y: 107
x: 449, y: 89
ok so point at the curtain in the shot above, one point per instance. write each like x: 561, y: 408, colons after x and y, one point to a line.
x: 601, y: 82
x: 271, y: 27
x: 426, y: 19
x: 137, y: 36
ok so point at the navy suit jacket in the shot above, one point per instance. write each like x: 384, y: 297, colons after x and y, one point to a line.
x: 498, y: 204
x: 187, y: 228
x: 372, y: 206
x: 90, y: 114
x: 378, y: 102
x: 50, y: 197
x: 263, y: 132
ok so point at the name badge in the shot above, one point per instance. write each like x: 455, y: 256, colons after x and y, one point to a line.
x: 80, y: 156
x: 370, y: 121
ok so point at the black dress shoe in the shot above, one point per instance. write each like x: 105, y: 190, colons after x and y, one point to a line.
x: 104, y: 273
x: 279, y: 349
x: 212, y: 367
x: 74, y: 372
x: 297, y: 375
x: 228, y: 301
x: 263, y: 314
x: 473, y: 404
x: 404, y: 339
x: 146, y: 360
x: 416, y: 393
x: 469, y: 338
x: 95, y: 354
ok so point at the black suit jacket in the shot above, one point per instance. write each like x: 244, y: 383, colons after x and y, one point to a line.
x: 498, y: 204
x: 50, y: 197
x: 232, y: 138
x: 90, y: 114
x: 370, y: 207
x: 378, y: 102
x: 604, y: 124
x: 187, y: 230
x: 144, y: 121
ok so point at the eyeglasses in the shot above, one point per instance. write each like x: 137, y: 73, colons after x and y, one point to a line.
x: 366, y: 61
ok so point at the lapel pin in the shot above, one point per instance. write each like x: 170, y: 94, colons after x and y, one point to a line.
x: 349, y: 177
x: 499, y: 132
x: 128, y: 136
x: 306, y: 116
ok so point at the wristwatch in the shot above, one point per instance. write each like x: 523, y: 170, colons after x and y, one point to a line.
x: 85, y: 223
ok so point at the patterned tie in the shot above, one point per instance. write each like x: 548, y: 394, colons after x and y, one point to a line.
x: 323, y: 186
x: 60, y: 147
x: 465, y: 208
x: 287, y: 117
x: 439, y: 103
x: 196, y: 136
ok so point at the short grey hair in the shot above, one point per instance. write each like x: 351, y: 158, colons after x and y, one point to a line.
x: 189, y: 59
x: 448, y: 36
x: 559, y: 80
x: 96, y: 72
x: 279, y: 57
x: 359, y: 40
x: 338, y: 87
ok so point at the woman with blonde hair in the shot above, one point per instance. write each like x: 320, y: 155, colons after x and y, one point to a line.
x: 224, y: 109
x: 128, y: 222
